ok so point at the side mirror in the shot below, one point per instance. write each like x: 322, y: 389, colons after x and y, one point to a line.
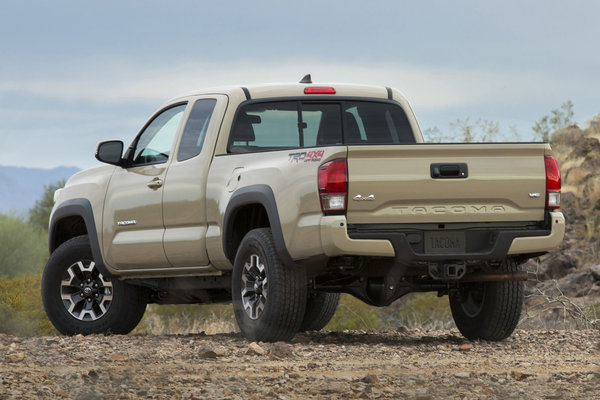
x: 110, y: 152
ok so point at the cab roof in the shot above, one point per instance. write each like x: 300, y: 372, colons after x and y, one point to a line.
x: 278, y: 90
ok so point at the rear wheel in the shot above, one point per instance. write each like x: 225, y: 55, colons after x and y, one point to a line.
x: 269, y: 297
x: 488, y: 310
x: 79, y: 298
x: 320, y: 308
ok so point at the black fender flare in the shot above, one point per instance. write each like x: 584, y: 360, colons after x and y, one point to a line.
x: 77, y: 208
x: 255, y: 194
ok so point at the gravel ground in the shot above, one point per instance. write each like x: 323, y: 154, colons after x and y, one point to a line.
x: 411, y: 364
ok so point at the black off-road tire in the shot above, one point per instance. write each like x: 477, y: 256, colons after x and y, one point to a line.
x: 320, y: 308
x: 79, y: 298
x: 489, y: 310
x: 269, y: 297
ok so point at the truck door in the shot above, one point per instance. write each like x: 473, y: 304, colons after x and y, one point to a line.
x: 184, y: 198
x: 133, y: 226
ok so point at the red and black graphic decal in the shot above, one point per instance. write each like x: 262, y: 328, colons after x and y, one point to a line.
x: 306, y: 156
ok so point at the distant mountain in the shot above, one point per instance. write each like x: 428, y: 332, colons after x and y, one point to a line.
x: 21, y: 187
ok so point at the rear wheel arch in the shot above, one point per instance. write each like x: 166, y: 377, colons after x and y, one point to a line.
x: 249, y: 208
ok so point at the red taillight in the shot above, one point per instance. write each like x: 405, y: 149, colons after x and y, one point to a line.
x: 319, y: 90
x: 552, y: 183
x: 333, y: 186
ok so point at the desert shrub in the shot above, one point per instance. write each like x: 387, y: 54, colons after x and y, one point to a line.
x: 354, y: 314
x: 23, y: 248
x: 186, y: 319
x: 21, y: 310
x: 419, y: 310
x: 465, y: 130
x: 558, y: 119
x: 593, y: 314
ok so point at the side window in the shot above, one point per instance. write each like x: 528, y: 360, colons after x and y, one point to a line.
x: 153, y: 145
x: 195, y: 129
x: 266, y: 126
x: 376, y: 123
x: 322, y: 123
x: 286, y: 124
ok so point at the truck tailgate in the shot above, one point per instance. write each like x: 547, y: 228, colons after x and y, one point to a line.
x: 445, y: 183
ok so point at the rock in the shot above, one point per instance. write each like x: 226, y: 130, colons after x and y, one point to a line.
x: 370, y: 379
x: 220, y: 351
x: 15, y: 357
x: 595, y: 289
x: 519, y: 376
x: 462, y: 375
x: 280, y: 350
x: 555, y: 267
x: 465, y: 347
x: 595, y: 271
x: 254, y: 349
x: 90, y: 377
x: 577, y: 284
x: 119, y: 357
x: 207, y: 353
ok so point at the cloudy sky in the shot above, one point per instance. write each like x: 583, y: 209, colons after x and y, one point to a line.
x: 73, y: 73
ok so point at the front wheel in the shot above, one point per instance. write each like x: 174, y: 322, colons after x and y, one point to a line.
x: 79, y: 298
x: 269, y: 297
x: 488, y: 310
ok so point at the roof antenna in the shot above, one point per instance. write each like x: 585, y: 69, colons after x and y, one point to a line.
x: 306, y: 79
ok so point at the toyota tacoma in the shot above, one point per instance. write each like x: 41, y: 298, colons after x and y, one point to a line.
x: 280, y: 197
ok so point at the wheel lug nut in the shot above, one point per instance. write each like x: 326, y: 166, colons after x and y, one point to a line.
x: 96, y: 295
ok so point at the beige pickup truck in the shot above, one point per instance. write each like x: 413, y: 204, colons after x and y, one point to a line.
x: 280, y: 197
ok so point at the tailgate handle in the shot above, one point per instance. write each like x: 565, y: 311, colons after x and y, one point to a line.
x: 449, y: 171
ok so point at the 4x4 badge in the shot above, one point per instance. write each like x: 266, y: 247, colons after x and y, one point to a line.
x: 359, y: 197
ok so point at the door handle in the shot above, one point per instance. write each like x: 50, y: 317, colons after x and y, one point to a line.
x: 155, y: 183
x: 449, y: 171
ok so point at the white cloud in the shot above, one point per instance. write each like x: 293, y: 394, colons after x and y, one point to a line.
x: 60, y: 116
x: 427, y: 88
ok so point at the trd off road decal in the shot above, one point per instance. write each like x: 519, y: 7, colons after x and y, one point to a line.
x: 306, y: 156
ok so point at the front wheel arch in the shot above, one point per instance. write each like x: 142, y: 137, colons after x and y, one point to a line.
x: 75, y: 217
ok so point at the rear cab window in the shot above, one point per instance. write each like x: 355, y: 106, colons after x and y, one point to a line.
x: 280, y: 125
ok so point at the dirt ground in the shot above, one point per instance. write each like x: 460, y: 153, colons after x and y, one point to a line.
x: 402, y: 364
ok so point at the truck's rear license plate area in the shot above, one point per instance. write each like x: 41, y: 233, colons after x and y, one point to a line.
x: 445, y: 242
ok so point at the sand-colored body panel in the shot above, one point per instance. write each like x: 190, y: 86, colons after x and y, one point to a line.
x: 500, y: 183
x: 177, y: 227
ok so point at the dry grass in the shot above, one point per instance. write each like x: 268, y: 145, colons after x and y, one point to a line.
x: 187, y: 319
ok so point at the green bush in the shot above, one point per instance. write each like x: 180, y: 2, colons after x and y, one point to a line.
x: 24, y: 247
x: 39, y: 215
